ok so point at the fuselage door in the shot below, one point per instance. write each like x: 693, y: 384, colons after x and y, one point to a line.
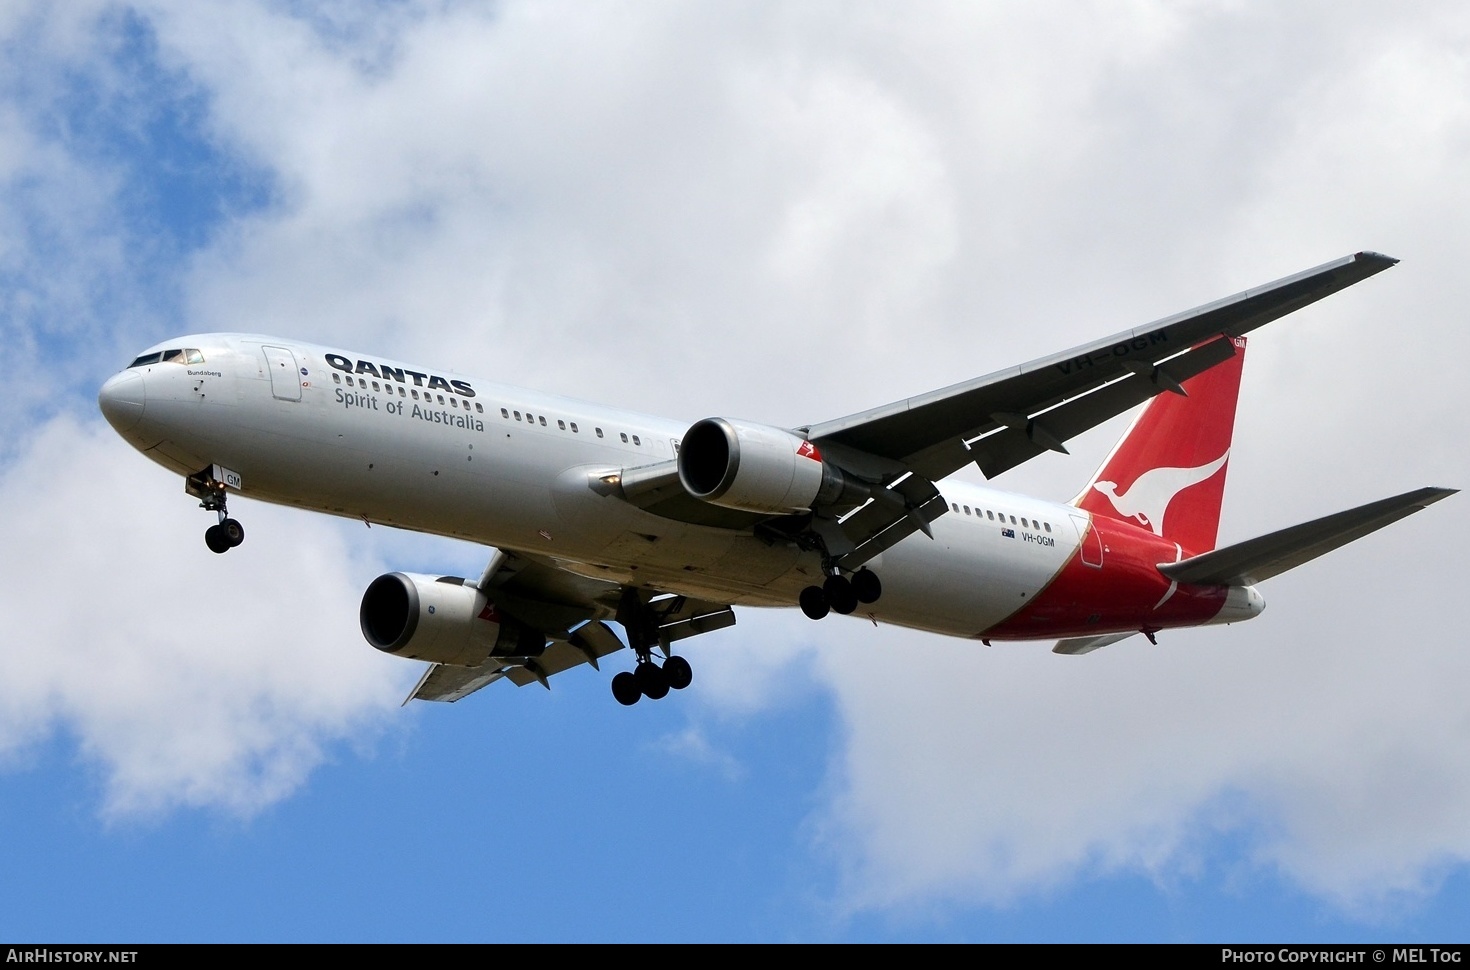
x: 285, y: 375
x: 1092, y: 547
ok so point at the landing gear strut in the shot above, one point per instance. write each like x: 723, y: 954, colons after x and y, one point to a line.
x: 227, y: 533
x: 840, y: 594
x: 647, y: 679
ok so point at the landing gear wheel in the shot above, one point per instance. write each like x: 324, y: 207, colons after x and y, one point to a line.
x: 866, y: 586
x: 652, y: 681
x: 678, y: 672
x: 625, y: 689
x: 839, y: 594
x: 814, y: 602
x: 216, y: 539
x: 233, y: 532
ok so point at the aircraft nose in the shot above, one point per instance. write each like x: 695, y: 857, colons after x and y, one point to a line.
x: 122, y: 400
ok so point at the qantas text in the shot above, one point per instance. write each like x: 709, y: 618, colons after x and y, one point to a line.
x: 384, y: 372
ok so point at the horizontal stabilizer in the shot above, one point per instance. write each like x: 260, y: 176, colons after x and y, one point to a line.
x: 1076, y: 646
x: 1261, y: 558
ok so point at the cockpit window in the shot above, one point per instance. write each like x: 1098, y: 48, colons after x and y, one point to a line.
x: 188, y: 355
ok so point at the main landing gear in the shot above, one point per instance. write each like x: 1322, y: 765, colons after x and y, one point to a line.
x: 227, y: 533
x: 650, y: 680
x: 840, y: 594
x: 647, y: 679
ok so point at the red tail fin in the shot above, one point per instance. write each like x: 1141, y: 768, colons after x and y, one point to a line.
x: 1167, y: 473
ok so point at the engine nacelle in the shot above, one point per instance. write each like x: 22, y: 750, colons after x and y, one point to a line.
x: 758, y: 468
x: 440, y: 619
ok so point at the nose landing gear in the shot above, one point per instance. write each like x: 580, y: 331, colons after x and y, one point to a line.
x: 224, y: 536
x: 227, y: 533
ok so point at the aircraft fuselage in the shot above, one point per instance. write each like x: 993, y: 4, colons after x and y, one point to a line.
x: 359, y: 436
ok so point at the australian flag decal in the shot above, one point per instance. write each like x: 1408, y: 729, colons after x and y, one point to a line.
x: 1008, y: 533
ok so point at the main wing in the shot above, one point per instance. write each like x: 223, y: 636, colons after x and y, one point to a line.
x: 1006, y: 418
x: 1023, y: 411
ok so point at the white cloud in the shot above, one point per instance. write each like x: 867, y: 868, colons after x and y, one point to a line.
x: 186, y: 678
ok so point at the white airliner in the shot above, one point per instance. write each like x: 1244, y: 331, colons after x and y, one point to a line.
x: 596, y: 514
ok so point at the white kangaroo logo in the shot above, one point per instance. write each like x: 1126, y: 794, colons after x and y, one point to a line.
x: 1148, y: 498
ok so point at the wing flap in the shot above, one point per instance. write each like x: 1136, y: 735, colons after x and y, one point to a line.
x: 1020, y: 442
x: 685, y: 617
x: 895, y: 531
x: 560, y: 655
x: 443, y: 682
x: 908, y: 507
x: 1258, y: 559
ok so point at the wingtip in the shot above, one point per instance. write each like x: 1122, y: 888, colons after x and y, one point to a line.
x: 1428, y: 495
x: 1369, y: 256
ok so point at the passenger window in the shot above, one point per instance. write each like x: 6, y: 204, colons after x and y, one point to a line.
x: 1013, y: 520
x: 1047, y: 525
x: 518, y: 415
x: 561, y: 424
x: 441, y: 398
x: 636, y: 441
x: 574, y: 427
x: 624, y: 436
x: 599, y: 432
x: 414, y: 395
x: 504, y: 413
x: 337, y: 378
x: 350, y: 382
x: 375, y: 385
x: 401, y: 391
x: 990, y: 515
x: 542, y: 419
x: 955, y: 506
x: 479, y: 408
x: 967, y: 510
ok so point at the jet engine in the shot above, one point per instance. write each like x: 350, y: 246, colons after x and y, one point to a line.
x: 759, y: 468
x: 441, y: 620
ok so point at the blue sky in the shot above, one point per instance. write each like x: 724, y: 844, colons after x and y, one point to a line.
x: 782, y: 212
